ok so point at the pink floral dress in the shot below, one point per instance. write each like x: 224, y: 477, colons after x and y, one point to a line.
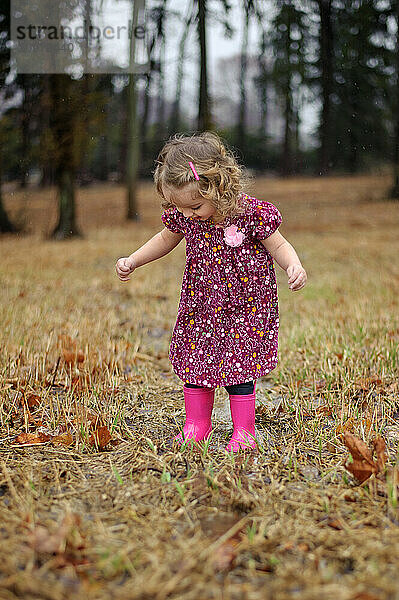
x: 226, y: 331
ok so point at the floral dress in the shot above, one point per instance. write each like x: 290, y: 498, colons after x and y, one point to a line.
x: 226, y: 331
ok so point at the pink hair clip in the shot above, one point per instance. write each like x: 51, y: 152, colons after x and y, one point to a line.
x: 194, y: 171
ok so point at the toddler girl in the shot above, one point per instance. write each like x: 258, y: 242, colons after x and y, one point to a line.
x: 227, y: 322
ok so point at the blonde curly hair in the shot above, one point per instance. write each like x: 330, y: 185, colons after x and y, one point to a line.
x: 221, y: 178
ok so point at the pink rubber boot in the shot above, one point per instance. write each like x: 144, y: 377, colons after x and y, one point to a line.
x: 243, y: 416
x: 199, y: 405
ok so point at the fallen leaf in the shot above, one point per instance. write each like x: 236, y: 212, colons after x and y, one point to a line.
x: 303, y: 547
x: 224, y: 555
x: 32, y: 438
x: 69, y: 350
x: 335, y: 524
x: 379, y: 448
x: 100, y: 438
x: 64, y: 439
x: 365, y: 383
x: 289, y: 545
x: 72, y: 356
x: 358, y: 448
x: 363, y: 464
x: 33, y: 400
x: 364, y: 596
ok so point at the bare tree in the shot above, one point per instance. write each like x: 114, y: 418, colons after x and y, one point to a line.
x: 326, y: 58
x: 5, y: 224
x: 251, y: 9
x: 395, y: 189
x: 133, y: 147
x: 64, y: 109
x: 187, y: 22
x: 204, y: 111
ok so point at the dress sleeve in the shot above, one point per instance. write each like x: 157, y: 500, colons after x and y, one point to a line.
x: 267, y: 219
x: 172, y: 220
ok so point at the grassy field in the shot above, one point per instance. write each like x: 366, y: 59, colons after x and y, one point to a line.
x: 104, y: 506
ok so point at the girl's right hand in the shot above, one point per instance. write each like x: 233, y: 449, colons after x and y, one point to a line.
x: 124, y: 267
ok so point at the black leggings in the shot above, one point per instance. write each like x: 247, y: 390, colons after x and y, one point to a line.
x: 239, y: 389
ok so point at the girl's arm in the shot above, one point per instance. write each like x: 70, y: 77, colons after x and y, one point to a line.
x: 285, y: 255
x: 159, y: 245
x: 162, y: 243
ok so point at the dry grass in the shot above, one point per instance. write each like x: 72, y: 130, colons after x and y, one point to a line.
x: 142, y: 519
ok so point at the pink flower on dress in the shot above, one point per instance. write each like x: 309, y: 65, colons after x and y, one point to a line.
x: 232, y: 236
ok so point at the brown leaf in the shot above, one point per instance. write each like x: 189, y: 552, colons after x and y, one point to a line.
x: 363, y: 465
x: 69, y: 350
x: 360, y: 469
x: 349, y: 497
x: 64, y: 439
x: 379, y: 448
x: 324, y: 409
x: 335, y: 524
x: 364, y: 596
x: 33, y: 400
x: 133, y: 378
x: 100, y: 438
x: 358, y: 448
x: 290, y: 545
x: 72, y: 356
x: 303, y: 547
x: 32, y: 438
x: 365, y: 383
x: 224, y: 555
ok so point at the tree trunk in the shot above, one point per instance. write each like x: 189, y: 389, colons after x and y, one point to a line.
x: 124, y: 122
x: 25, y: 110
x: 63, y: 124
x: 286, y: 161
x: 133, y: 151
x: 297, y: 122
x: 5, y: 224
x: 133, y: 147
x: 66, y: 226
x: 162, y: 129
x: 146, y: 111
x: 104, y: 145
x: 262, y: 87
x: 175, y: 118
x: 160, y: 105
x: 353, y: 151
x: 46, y: 165
x: 241, y: 129
x: 204, y: 120
x: 326, y: 54
x: 394, y: 193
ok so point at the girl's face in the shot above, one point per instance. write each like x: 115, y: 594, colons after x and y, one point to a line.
x: 189, y: 202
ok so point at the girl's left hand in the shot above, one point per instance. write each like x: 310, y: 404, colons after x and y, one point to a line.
x: 296, y: 277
